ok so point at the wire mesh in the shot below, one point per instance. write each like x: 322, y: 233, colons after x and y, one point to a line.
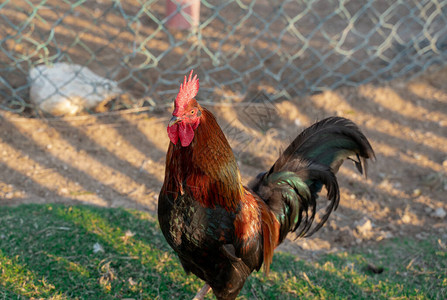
x: 285, y: 48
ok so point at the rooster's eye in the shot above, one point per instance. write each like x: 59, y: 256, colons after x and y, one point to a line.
x: 192, y: 112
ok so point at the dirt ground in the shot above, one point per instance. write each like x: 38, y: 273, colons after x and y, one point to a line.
x: 117, y: 159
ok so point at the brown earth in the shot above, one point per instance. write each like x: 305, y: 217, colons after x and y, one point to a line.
x: 117, y: 159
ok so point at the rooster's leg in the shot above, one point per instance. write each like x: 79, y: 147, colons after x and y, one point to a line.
x: 203, y: 291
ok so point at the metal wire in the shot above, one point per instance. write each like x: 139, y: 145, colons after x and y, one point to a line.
x: 285, y: 48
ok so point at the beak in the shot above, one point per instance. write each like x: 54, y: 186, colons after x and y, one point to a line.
x: 174, y: 120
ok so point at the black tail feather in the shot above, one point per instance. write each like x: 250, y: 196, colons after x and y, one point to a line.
x: 328, y: 142
x: 310, y: 162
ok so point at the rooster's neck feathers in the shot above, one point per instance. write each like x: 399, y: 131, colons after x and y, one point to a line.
x: 206, y: 167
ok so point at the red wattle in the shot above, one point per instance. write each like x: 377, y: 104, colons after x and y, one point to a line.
x: 186, y: 134
x: 173, y: 133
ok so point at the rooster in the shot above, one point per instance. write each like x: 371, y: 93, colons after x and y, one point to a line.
x: 221, y: 230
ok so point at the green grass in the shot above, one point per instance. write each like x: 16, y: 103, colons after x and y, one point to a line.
x: 46, y: 251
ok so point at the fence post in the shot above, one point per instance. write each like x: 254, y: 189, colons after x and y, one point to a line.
x: 187, y: 7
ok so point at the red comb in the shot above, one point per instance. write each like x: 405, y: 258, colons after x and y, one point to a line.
x: 188, y: 90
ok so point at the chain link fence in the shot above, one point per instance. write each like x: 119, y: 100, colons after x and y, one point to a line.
x: 284, y: 48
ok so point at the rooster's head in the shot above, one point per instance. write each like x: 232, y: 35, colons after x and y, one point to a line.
x: 187, y: 112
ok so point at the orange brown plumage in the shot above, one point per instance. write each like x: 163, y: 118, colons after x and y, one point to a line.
x: 223, y: 231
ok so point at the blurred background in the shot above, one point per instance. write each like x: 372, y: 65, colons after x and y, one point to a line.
x: 283, y: 48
